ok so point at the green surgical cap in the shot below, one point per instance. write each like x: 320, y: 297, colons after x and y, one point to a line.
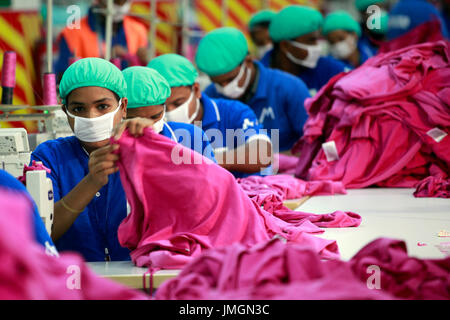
x: 92, y: 72
x: 221, y: 51
x: 262, y: 16
x: 362, y: 5
x: 340, y: 20
x: 294, y: 21
x: 146, y: 87
x: 176, y: 69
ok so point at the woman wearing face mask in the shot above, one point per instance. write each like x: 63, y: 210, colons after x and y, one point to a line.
x: 276, y: 97
x: 89, y: 199
x: 295, y: 31
x: 258, y: 27
x: 343, y: 32
x: 129, y: 37
x: 147, y: 95
x: 217, y: 118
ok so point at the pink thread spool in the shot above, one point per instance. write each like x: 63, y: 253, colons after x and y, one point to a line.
x: 8, y: 76
x: 117, y: 62
x: 50, y: 89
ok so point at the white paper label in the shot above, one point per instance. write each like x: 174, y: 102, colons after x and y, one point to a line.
x: 437, y: 134
x: 329, y: 148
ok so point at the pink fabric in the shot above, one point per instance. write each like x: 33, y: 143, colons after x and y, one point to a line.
x: 437, y: 185
x: 269, y: 192
x: 34, y: 166
x: 378, y: 116
x: 26, y: 272
x: 287, y: 271
x: 179, y: 210
x: 286, y: 163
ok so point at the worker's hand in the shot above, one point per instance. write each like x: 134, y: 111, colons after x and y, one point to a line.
x: 119, y: 51
x: 135, y: 126
x: 102, y: 163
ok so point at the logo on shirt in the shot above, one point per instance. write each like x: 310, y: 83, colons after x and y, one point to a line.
x: 247, y: 123
x: 266, y: 112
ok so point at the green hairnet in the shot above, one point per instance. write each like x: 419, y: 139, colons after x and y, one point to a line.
x: 221, y: 51
x: 362, y: 5
x: 294, y: 21
x: 92, y: 72
x: 176, y: 69
x: 340, y: 20
x: 262, y: 16
x: 146, y: 87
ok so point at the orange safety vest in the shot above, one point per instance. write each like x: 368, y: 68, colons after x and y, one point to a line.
x: 83, y: 42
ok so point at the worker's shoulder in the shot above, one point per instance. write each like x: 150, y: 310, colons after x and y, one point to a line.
x: 60, y: 145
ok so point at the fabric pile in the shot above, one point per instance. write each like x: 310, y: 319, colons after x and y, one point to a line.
x: 31, y: 274
x: 385, y: 123
x: 382, y: 270
x: 199, y: 206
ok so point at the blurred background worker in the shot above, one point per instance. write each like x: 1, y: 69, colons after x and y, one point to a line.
x: 296, y: 31
x: 343, y: 33
x: 129, y: 37
x: 373, y: 32
x: 217, y: 117
x: 147, y: 92
x: 258, y: 27
x: 276, y: 97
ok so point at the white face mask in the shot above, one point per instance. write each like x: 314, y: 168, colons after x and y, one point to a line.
x: 121, y: 11
x: 343, y: 49
x: 181, y: 113
x: 232, y: 89
x: 262, y: 50
x: 314, y: 52
x: 159, y: 125
x: 94, y: 129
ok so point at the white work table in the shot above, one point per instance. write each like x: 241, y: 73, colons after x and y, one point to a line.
x: 391, y: 213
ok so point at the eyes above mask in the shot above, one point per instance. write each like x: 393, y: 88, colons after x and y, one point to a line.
x: 343, y: 49
x: 232, y: 89
x: 181, y: 113
x: 311, y: 60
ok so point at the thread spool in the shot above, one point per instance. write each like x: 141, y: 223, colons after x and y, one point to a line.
x: 8, y: 77
x: 117, y: 62
x: 50, y: 89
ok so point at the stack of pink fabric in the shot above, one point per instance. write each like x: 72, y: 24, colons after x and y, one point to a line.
x: 28, y: 273
x: 178, y: 210
x: 385, y: 123
x: 381, y: 270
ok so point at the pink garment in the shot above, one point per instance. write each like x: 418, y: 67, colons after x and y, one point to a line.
x: 269, y: 192
x: 379, y: 117
x: 272, y: 270
x: 286, y: 163
x: 437, y: 185
x: 180, y: 210
x: 27, y: 272
x: 287, y: 271
x: 34, y: 166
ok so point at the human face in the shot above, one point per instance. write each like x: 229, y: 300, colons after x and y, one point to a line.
x: 311, y: 39
x: 93, y: 102
x: 260, y: 36
x: 180, y: 95
x: 228, y: 77
x: 151, y: 112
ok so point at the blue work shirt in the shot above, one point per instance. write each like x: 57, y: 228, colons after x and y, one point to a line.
x: 41, y: 235
x: 64, y: 53
x: 316, y: 78
x: 367, y: 46
x: 189, y: 136
x: 278, y: 102
x: 222, y: 114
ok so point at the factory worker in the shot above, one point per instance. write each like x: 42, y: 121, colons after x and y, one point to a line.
x: 89, y: 198
x: 343, y: 33
x: 258, y: 27
x: 9, y: 183
x: 147, y: 92
x: 276, y: 97
x: 231, y: 126
x: 296, y: 31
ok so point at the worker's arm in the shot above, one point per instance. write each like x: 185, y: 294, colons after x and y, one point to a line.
x: 251, y: 157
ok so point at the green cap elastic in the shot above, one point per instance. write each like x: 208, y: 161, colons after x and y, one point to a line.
x: 146, y: 87
x: 294, y: 21
x: 262, y: 16
x: 176, y: 69
x: 340, y: 20
x: 221, y: 51
x: 362, y: 5
x: 92, y: 72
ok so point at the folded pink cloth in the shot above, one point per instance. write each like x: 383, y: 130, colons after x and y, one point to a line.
x: 437, y: 185
x: 28, y: 273
x: 34, y: 166
x: 178, y: 210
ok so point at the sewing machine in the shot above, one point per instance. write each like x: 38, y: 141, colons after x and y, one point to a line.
x: 14, y: 150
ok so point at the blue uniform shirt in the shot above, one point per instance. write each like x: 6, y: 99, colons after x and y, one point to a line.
x: 278, y: 103
x: 222, y: 114
x: 315, y: 79
x: 40, y: 233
